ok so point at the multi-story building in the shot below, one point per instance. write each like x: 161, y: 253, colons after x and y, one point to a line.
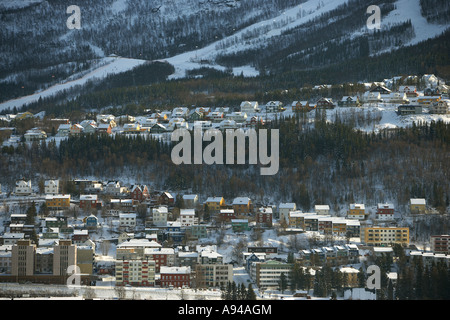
x: 51, y: 186
x: 163, y: 257
x: 214, y: 204
x: 160, y: 216
x: 264, y: 216
x: 322, y: 209
x: 267, y: 274
x: 385, y: 211
x: 64, y: 255
x: 440, y: 243
x: 418, y: 206
x: 380, y: 236
x: 22, y: 259
x: 283, y: 211
x: 135, y: 271
x: 89, y: 201
x: 213, y: 275
x: 176, y: 277
x: 57, y: 201
x: 23, y: 188
x: 187, y: 217
x: 356, y: 211
x: 127, y: 220
x: 242, y: 206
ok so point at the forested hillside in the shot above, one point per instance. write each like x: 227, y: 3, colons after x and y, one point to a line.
x: 328, y: 163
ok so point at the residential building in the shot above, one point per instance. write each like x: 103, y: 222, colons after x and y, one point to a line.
x: 23, y: 258
x: 89, y: 201
x: 127, y: 220
x: 160, y: 216
x: 301, y: 106
x: 23, y: 188
x: 51, y: 187
x: 239, y: 225
x: 351, y: 275
x: 249, y: 107
x: 190, y: 200
x: 264, y: 216
x: 267, y: 274
x: 139, y: 193
x: 177, y: 277
x: 64, y: 255
x: 35, y: 134
x: 166, y: 198
x: 418, y: 206
x: 86, y: 257
x: 349, y: 101
x: 57, y: 201
x: 284, y: 209
x: 440, y: 107
x: 91, y: 222
x: 187, y: 217
x: 213, y: 275
x: 135, y: 271
x: 325, y: 103
x: 274, y: 106
x: 356, y: 211
x: 405, y: 110
x: 214, y: 204
x: 242, y: 206
x: 440, y: 243
x: 380, y: 236
x: 385, y: 211
x: 322, y: 209
x: 163, y: 257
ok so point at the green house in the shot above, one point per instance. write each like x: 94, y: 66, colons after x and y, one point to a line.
x: 239, y: 225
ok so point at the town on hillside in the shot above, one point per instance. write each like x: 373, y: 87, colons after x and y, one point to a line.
x: 123, y: 236
x: 117, y: 236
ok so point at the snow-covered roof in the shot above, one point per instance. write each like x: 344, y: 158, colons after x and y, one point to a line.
x: 418, y: 201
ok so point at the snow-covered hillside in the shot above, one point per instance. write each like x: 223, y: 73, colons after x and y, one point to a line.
x: 243, y: 37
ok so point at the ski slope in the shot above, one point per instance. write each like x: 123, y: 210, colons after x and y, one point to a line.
x: 110, y: 65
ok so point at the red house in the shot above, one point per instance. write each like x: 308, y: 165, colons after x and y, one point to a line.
x: 89, y: 201
x: 140, y: 193
x: 166, y: 199
x: 176, y: 277
x: 264, y: 216
x: 226, y: 215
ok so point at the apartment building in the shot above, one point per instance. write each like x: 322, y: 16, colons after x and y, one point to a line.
x: 135, y: 271
x: 440, y: 243
x: 213, y: 275
x: 267, y: 274
x: 381, y: 236
x: 23, y: 258
x: 64, y: 255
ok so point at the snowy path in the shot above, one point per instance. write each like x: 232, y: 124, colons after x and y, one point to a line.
x: 114, y: 65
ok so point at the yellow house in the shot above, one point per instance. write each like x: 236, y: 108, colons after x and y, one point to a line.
x: 58, y: 201
x: 427, y: 100
x: 214, y: 204
x: 356, y: 211
x: 418, y: 206
x: 351, y: 275
x: 381, y: 236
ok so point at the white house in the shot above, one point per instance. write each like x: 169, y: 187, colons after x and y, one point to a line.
x: 160, y: 216
x: 284, y: 210
x: 35, y: 134
x: 23, y: 188
x: 274, y: 106
x: 190, y: 200
x: 51, y: 187
x: 249, y: 107
x: 322, y: 209
x: 237, y: 116
x: 187, y: 217
x: 127, y: 220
